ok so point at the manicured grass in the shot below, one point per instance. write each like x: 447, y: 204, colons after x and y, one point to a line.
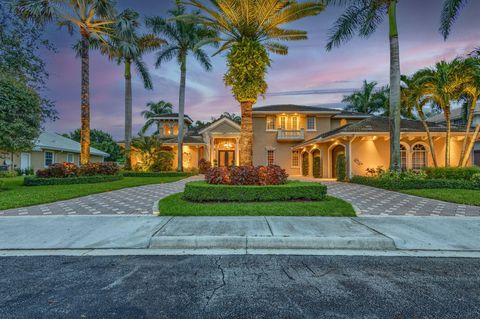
x: 175, y: 205
x: 459, y: 196
x: 15, y: 194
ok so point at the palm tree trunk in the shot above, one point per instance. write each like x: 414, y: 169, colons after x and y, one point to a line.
x: 181, y: 110
x: 467, y: 131
x: 246, y: 134
x: 128, y: 114
x: 429, y: 136
x: 85, y: 106
x: 395, y: 162
x: 447, y: 139
x: 471, y: 145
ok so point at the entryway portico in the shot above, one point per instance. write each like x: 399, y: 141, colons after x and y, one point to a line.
x: 223, y: 140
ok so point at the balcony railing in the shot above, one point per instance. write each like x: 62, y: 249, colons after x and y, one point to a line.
x: 290, y: 135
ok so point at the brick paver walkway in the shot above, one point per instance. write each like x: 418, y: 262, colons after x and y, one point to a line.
x: 375, y: 201
x: 139, y: 201
x: 127, y: 201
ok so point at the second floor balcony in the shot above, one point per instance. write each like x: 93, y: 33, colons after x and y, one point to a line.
x: 290, y: 135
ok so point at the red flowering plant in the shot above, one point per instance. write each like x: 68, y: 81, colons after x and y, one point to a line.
x: 203, y: 166
x: 247, y: 175
x: 59, y: 170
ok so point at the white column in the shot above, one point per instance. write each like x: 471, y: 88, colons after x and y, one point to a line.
x: 237, y: 151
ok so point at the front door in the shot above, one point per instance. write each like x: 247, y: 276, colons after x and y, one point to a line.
x: 24, y: 161
x: 226, y: 158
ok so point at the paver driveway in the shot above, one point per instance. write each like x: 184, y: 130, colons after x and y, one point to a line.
x: 127, y: 201
x: 375, y: 201
x: 139, y: 201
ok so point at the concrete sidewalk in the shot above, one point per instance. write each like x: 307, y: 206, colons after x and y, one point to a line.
x: 240, y: 234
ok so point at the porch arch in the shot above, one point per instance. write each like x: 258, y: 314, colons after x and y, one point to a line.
x: 333, y: 151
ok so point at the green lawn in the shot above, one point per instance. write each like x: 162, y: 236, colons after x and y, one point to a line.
x: 459, y: 196
x: 174, y: 205
x: 16, y: 195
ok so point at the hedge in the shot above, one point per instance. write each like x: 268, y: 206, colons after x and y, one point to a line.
x: 203, y: 192
x: 156, y: 174
x: 397, y: 184
x: 39, y: 181
x: 465, y: 173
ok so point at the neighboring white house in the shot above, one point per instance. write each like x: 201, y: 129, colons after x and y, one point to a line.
x: 50, y: 148
x: 459, y: 119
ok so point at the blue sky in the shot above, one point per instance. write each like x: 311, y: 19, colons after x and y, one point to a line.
x: 308, y: 75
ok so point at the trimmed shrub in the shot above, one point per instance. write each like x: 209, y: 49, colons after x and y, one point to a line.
x: 69, y: 170
x: 8, y: 174
x: 398, y: 184
x: 204, y: 166
x: 39, y: 181
x: 204, y: 192
x: 476, y: 180
x: 247, y: 175
x: 465, y: 173
x: 341, y: 168
x: 155, y: 174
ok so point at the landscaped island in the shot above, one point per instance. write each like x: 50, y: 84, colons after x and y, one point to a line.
x: 253, y: 191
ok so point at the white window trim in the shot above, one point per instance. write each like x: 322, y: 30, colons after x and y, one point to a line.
x: 73, y: 157
x: 45, y: 158
x: 274, y: 123
x: 314, y: 124
x: 280, y: 122
x: 298, y: 159
x: 296, y: 127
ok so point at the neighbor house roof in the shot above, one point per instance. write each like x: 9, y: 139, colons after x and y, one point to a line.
x: 457, y: 113
x: 186, y: 140
x: 308, y: 109
x: 380, y: 124
x: 56, y: 142
x: 173, y: 116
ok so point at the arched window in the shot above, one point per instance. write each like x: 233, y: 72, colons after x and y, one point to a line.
x: 419, y: 157
x: 403, y: 157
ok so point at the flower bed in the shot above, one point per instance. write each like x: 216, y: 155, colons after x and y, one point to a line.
x: 156, y: 174
x: 204, y: 192
x: 69, y: 170
x: 41, y: 181
x: 247, y: 175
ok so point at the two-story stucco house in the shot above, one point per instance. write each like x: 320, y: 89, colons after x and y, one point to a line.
x: 306, y: 140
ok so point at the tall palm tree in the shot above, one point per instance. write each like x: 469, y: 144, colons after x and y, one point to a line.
x: 127, y: 46
x: 364, y: 17
x: 248, y: 30
x: 368, y: 99
x: 183, y: 38
x: 413, y: 98
x: 155, y: 110
x: 442, y: 85
x: 91, y: 19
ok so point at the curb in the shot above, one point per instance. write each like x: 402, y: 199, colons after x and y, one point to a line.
x: 252, y: 242
x: 156, y: 208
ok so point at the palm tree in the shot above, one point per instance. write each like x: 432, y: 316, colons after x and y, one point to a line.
x: 364, y: 17
x: 451, y: 10
x: 92, y: 19
x: 471, y: 67
x: 249, y: 29
x: 413, y: 98
x: 127, y: 47
x: 183, y: 38
x: 442, y: 85
x: 156, y: 109
x: 367, y: 100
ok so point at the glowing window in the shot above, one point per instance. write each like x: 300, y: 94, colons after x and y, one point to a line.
x: 270, y: 157
x: 419, y: 157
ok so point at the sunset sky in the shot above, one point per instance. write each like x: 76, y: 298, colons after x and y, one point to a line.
x: 308, y: 75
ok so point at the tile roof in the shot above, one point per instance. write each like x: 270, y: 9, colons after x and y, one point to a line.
x: 293, y: 108
x: 186, y: 140
x: 53, y: 141
x: 381, y: 124
x: 174, y: 116
x: 457, y: 113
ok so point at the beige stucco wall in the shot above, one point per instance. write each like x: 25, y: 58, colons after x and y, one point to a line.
x: 37, y: 158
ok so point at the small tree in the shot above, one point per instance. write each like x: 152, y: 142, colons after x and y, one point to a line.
x: 20, y: 116
x: 341, y: 168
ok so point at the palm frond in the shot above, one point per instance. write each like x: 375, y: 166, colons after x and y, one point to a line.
x: 345, y: 26
x: 450, y: 11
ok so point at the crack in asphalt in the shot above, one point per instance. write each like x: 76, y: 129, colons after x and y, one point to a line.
x: 223, y: 284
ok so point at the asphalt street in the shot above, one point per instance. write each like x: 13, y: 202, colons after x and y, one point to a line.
x: 240, y: 286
